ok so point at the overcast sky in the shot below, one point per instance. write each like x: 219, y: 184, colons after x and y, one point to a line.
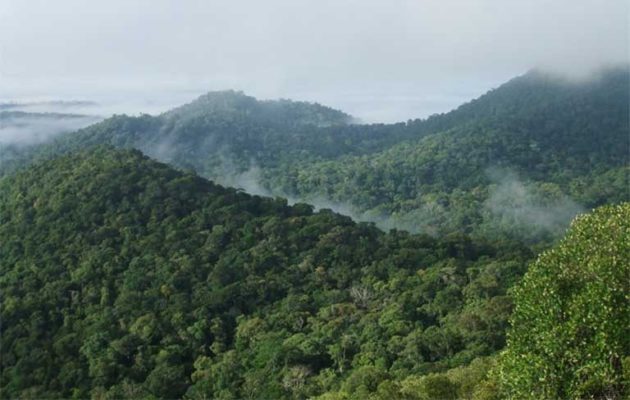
x: 381, y: 60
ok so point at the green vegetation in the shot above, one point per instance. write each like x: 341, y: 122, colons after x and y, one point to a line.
x: 519, y: 162
x: 572, y: 314
x: 123, y: 278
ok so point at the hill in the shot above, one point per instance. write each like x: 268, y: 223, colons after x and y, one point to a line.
x: 519, y: 161
x: 236, y: 105
x: 124, y: 278
x: 568, y: 336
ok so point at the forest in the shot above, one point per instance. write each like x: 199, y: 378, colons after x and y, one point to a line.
x: 520, y: 161
x: 132, y: 276
x: 203, y: 253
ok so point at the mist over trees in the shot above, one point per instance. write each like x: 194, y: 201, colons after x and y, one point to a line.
x: 520, y: 161
x: 135, y: 280
x: 326, y: 200
x: 22, y: 129
x: 124, y: 277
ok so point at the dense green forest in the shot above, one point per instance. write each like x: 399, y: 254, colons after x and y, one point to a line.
x: 129, y: 269
x: 521, y: 161
x: 518, y: 162
x: 123, y: 278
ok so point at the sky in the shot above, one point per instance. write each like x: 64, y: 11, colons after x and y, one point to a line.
x: 381, y: 61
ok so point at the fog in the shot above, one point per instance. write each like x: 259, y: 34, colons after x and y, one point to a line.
x: 514, y: 202
x: 23, y: 129
x: 377, y: 60
x: 380, y: 61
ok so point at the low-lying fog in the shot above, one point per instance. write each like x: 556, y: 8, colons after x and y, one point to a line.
x: 21, y: 128
x: 28, y: 120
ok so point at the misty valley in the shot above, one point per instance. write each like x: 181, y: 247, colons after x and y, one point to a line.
x: 237, y: 248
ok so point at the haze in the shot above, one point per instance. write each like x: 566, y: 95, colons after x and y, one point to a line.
x: 378, y: 60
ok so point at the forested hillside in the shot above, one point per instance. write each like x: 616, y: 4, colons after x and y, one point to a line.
x: 124, y: 278
x: 518, y: 162
x: 193, y: 206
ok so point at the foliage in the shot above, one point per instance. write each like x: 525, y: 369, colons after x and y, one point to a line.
x: 518, y: 162
x: 124, y: 278
x: 572, y: 313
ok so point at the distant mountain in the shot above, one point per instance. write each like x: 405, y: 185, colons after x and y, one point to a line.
x: 242, y: 128
x: 236, y: 105
x: 124, y: 278
x: 523, y: 158
x: 520, y: 160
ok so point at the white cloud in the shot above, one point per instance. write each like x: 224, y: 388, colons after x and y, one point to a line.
x: 337, y: 50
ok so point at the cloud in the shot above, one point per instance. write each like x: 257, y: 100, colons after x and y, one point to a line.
x: 535, y: 208
x: 23, y: 129
x: 333, y: 51
x: 248, y: 180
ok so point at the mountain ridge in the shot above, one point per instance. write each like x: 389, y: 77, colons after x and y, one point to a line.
x: 564, y: 141
x: 262, y: 111
x: 123, y: 277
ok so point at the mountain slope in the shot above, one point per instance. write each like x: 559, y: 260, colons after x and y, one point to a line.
x: 124, y: 278
x: 568, y: 337
x: 231, y: 104
x: 521, y: 160
x: 218, y: 122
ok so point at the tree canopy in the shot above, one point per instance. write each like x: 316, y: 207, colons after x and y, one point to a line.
x: 122, y: 277
x: 569, y: 336
x: 520, y: 161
